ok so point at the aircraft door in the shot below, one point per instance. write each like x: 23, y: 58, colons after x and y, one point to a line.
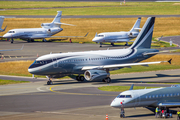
x: 137, y: 100
x: 55, y: 63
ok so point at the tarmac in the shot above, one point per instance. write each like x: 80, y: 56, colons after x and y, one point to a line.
x: 68, y: 99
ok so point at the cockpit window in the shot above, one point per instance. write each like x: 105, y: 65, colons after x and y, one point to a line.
x: 100, y: 35
x: 42, y: 62
x: 124, y: 96
x: 11, y: 32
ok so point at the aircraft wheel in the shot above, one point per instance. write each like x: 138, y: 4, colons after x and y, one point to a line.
x: 108, y: 79
x: 81, y: 78
x: 49, y: 82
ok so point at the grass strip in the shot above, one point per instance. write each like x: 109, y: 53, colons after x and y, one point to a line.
x: 121, y: 88
x: 107, y: 8
x: 5, y: 82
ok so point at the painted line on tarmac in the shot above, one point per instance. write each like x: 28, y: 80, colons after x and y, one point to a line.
x: 46, y: 88
x: 76, y: 93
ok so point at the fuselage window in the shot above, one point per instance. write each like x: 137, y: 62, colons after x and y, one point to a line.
x: 156, y: 96
x: 164, y: 95
x: 167, y: 95
x: 146, y: 97
x: 153, y: 96
x: 149, y: 96
x: 171, y: 95
x: 177, y: 94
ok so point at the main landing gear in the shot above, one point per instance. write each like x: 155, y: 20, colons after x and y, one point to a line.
x: 80, y: 78
x: 100, y: 44
x: 107, y: 80
x: 112, y: 44
x: 12, y: 40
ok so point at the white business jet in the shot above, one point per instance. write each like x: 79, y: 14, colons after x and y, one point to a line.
x: 115, y: 37
x: 163, y: 98
x: 47, y: 31
x: 1, y: 22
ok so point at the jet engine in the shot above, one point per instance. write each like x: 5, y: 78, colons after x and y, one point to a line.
x: 93, y: 75
x: 46, y: 25
x: 133, y: 34
x: 54, y: 30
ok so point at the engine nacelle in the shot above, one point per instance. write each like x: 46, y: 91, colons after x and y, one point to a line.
x: 54, y: 30
x: 46, y: 25
x: 133, y: 34
x: 93, y: 75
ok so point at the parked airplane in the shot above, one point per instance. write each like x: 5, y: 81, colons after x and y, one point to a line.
x: 95, y: 65
x: 47, y: 31
x: 1, y: 22
x: 165, y: 98
x: 115, y: 37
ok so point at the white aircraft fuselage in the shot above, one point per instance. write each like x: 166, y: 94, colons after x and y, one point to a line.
x: 115, y: 37
x: 168, y: 97
x: 32, y: 33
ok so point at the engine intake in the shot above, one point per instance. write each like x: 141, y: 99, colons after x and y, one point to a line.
x: 93, y: 75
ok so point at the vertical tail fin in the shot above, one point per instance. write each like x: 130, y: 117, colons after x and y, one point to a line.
x: 1, y: 22
x: 144, y: 38
x: 57, y: 19
x: 136, y: 26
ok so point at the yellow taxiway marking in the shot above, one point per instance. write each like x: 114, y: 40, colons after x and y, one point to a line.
x: 76, y: 93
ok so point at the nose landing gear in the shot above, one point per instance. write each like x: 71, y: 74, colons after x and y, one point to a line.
x: 49, y: 82
x: 122, y: 113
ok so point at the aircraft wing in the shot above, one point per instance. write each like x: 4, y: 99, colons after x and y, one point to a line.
x: 121, y: 40
x: 122, y: 65
x: 170, y: 104
x: 12, y: 49
x: 68, y: 36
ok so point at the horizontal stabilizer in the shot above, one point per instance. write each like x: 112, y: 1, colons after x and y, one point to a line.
x: 137, y: 28
x: 58, y: 23
x: 165, y: 51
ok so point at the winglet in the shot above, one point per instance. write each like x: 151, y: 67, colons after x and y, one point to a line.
x: 131, y: 88
x: 169, y: 61
x: 160, y: 38
x: 22, y: 47
x: 86, y: 34
x: 4, y: 29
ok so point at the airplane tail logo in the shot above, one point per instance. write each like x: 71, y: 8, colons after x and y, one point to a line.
x: 144, y: 38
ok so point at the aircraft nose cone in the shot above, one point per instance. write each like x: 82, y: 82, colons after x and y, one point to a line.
x: 114, y: 103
